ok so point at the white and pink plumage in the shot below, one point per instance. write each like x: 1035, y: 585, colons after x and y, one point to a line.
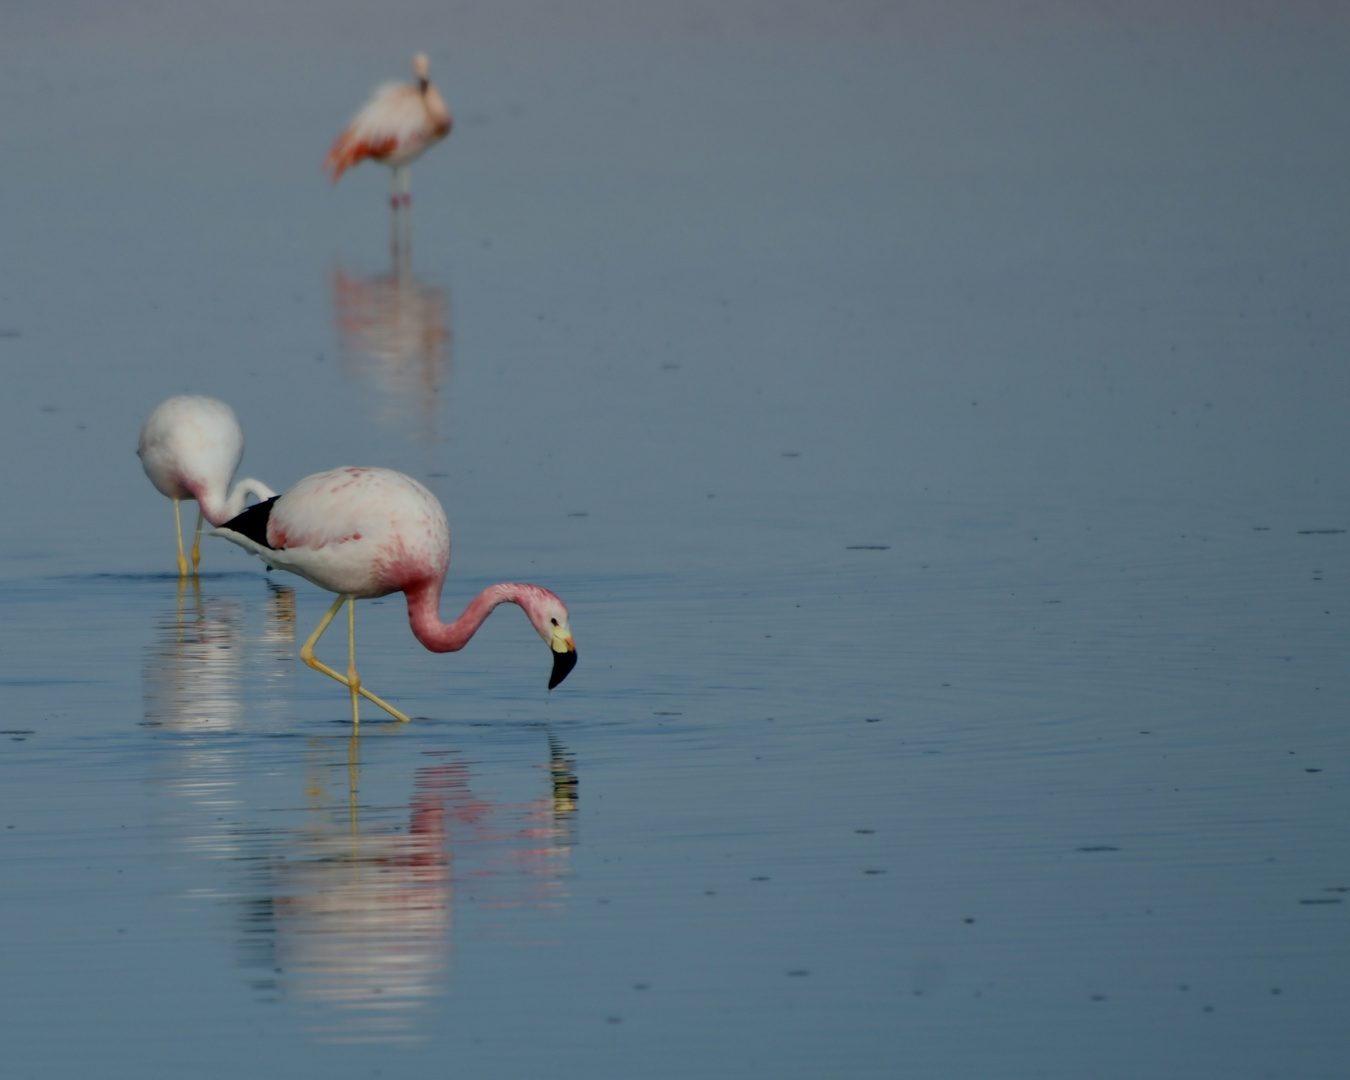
x: 395, y: 127
x: 190, y: 447
x: 366, y: 532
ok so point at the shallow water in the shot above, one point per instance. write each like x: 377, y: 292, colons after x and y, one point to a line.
x: 934, y: 422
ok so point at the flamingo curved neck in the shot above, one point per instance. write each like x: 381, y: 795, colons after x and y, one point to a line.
x: 218, y: 509
x: 424, y: 616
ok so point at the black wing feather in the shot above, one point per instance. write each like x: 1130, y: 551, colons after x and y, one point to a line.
x: 253, y: 522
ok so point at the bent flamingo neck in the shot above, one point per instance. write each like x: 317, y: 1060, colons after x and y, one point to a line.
x: 218, y: 509
x: 424, y: 602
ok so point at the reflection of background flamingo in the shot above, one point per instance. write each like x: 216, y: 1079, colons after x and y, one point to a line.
x: 204, y: 680
x: 194, y: 674
x: 190, y: 447
x: 396, y: 330
x: 365, y: 533
x: 394, y: 128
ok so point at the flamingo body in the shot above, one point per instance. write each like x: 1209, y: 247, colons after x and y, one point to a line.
x: 395, y: 127
x: 368, y: 532
x: 364, y: 533
x: 190, y: 447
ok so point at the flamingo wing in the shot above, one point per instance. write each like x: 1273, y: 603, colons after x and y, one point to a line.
x: 392, y: 125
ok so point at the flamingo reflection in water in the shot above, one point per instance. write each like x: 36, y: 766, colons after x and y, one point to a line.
x: 395, y: 331
x: 195, y: 674
x: 355, y: 915
x: 348, y: 911
x: 206, y: 676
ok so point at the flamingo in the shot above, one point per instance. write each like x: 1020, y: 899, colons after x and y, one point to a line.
x: 366, y: 532
x: 395, y: 127
x: 190, y: 447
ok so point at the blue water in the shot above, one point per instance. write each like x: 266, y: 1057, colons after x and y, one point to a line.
x: 934, y: 421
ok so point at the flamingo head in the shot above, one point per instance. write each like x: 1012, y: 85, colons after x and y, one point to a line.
x: 548, y: 616
x: 421, y: 67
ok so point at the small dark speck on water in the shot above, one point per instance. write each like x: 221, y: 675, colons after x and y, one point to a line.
x: 874, y: 871
x: 1099, y: 847
x: 640, y: 986
x: 792, y: 453
x: 798, y: 973
x: 1312, y: 770
x: 5, y: 333
x: 1098, y: 997
x: 1322, y: 900
x: 1337, y: 888
x: 872, y: 720
x: 1208, y: 1008
x: 864, y: 832
x: 579, y: 513
x: 668, y: 714
x: 968, y: 921
x: 17, y: 731
x: 868, y: 547
x: 759, y: 879
x: 1260, y: 528
x: 1320, y: 532
x: 670, y: 367
x: 1275, y: 990
x: 614, y: 1019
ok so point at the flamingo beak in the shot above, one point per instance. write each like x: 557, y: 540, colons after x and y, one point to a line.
x: 564, y: 656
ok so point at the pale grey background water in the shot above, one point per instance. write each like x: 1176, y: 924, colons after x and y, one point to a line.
x: 934, y: 417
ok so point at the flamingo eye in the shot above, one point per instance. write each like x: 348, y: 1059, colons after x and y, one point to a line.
x: 554, y: 621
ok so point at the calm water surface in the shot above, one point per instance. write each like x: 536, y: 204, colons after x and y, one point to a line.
x: 934, y: 422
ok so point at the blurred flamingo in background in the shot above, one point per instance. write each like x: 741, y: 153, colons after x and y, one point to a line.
x: 395, y: 127
x: 364, y: 533
x: 190, y: 447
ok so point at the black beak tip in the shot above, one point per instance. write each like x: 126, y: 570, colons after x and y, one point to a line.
x: 563, y: 663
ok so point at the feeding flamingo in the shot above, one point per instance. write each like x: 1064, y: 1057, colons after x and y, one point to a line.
x: 190, y: 447
x: 364, y: 533
x: 394, y: 128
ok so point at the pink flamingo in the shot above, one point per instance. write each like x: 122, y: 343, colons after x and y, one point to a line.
x: 190, y: 447
x: 365, y: 533
x: 395, y: 127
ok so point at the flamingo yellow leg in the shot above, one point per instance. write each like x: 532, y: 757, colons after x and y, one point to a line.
x: 353, y: 679
x: 307, y: 655
x: 197, y: 544
x: 178, y: 527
